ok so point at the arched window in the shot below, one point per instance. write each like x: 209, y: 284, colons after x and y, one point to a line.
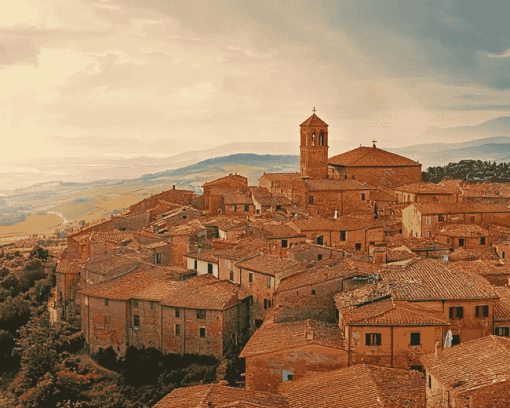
x: 321, y: 139
x: 313, y: 139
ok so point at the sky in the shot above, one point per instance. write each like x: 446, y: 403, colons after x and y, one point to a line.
x: 125, y: 78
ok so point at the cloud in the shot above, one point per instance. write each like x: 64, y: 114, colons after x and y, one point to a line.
x: 18, y: 51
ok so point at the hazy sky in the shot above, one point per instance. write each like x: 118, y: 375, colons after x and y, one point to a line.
x: 158, y: 77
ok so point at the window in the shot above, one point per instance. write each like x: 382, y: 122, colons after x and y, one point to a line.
x: 482, y: 311
x: 201, y: 314
x: 400, y: 231
x: 440, y: 218
x: 136, y: 321
x: 455, y: 339
x: 415, y: 339
x: 313, y: 291
x: 157, y: 258
x: 235, y: 207
x: 342, y: 235
x: 321, y: 139
x: 287, y: 375
x: 362, y: 197
x: 461, y: 242
x: 177, y: 312
x: 202, y: 332
x: 357, y: 246
x: 135, y: 304
x: 152, y: 305
x: 319, y: 257
x: 195, y: 264
x: 267, y: 304
x: 284, y: 243
x: 250, y: 277
x: 209, y: 268
x: 416, y: 368
x: 428, y: 221
x: 502, y: 257
x: 482, y: 240
x: 268, y: 282
x: 232, y: 276
x: 456, y: 312
x: 428, y: 234
x: 278, y: 208
x: 320, y: 240
x: 311, y: 199
x: 106, y: 302
x: 373, y: 339
x: 430, y: 381
x: 246, y: 208
x: 177, y: 329
x: 502, y: 331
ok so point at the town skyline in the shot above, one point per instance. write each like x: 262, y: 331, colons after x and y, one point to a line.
x: 120, y: 79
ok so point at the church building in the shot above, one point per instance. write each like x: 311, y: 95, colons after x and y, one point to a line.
x: 369, y: 165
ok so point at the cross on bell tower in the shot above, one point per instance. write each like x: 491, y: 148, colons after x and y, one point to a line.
x: 373, y: 141
x: 314, y: 147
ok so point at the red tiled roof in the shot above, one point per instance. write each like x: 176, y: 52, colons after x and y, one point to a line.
x: 272, y: 337
x: 272, y: 200
x: 480, y: 268
x: 502, y: 307
x: 344, y: 223
x: 393, y: 256
x: 459, y: 208
x: 358, y: 386
x: 268, y: 264
x: 413, y: 243
x: 462, y: 254
x: 338, y: 270
x: 281, y: 176
x: 314, y: 120
x: 112, y: 265
x: 385, y: 312
x: 471, y: 365
x: 463, y: 230
x: 235, y: 177
x: 73, y: 266
x: 217, y: 395
x: 334, y: 185
x: 279, y: 231
x: 371, y: 157
x: 233, y: 196
x: 426, y: 188
x: 428, y: 279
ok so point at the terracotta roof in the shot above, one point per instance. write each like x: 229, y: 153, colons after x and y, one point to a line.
x: 382, y: 195
x: 344, y: 223
x: 413, y: 243
x: 371, y: 157
x: 426, y: 188
x: 207, y: 255
x: 358, y: 386
x: 338, y: 270
x: 463, y: 230
x: 279, y: 231
x: 462, y: 254
x: 385, y: 312
x: 111, y: 265
x: 272, y: 337
x: 217, y: 395
x: 67, y: 266
x: 231, y: 176
x: 281, y: 176
x: 502, y: 307
x: 362, y: 295
x: 233, y: 196
x: 480, y: 267
x: 428, y: 279
x: 394, y: 256
x: 272, y: 200
x: 155, y: 245
x: 268, y: 264
x: 314, y: 120
x: 459, y: 208
x: 205, y: 292
x: 471, y: 365
x: 334, y: 185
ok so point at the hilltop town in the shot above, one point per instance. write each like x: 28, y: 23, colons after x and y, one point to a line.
x: 351, y: 283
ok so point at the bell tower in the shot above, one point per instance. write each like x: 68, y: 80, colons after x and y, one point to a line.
x: 314, y: 148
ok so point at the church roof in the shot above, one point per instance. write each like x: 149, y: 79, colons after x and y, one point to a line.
x: 370, y: 157
x: 314, y: 120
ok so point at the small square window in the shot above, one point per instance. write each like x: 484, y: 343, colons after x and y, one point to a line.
x: 136, y: 323
x: 415, y: 339
x: 342, y: 235
x: 210, y: 268
x: 201, y: 314
x: 177, y: 329
x: 456, y: 312
x: 232, y: 276
x: 372, y: 339
x: 135, y: 303
x: 311, y: 200
x: 235, y: 207
x: 106, y: 302
x: 357, y: 246
x: 250, y: 277
x: 482, y: 311
x: 246, y: 208
x: 502, y: 331
x: 319, y: 257
x: 461, y: 242
x: 313, y: 291
x: 267, y: 304
x: 284, y: 243
x: 482, y: 240
x: 177, y: 312
x: 416, y: 368
x: 202, y: 332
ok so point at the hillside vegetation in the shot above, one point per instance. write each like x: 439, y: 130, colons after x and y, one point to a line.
x: 474, y: 171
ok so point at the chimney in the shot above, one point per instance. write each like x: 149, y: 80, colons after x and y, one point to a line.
x: 173, y: 187
x: 439, y: 350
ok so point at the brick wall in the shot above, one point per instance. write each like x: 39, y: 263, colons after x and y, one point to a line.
x: 264, y: 372
x: 131, y: 222
x: 180, y: 246
x: 183, y: 197
x: 378, y: 176
x: 148, y: 333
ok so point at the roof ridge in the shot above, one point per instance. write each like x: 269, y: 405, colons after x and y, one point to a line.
x: 209, y: 389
